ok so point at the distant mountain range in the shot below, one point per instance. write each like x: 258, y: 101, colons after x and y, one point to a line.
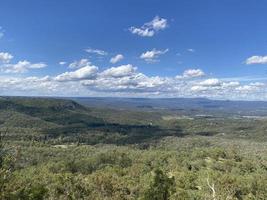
x: 176, y: 104
x: 185, y: 105
x: 127, y: 120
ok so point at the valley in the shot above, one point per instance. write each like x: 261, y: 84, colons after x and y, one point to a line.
x: 54, y: 148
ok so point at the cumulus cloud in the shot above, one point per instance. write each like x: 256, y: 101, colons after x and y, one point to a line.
x: 256, y: 60
x: 120, y: 71
x: 86, y: 72
x: 39, y: 86
x: 116, y: 58
x: 210, y: 82
x: 21, y: 67
x: 191, y: 73
x: 96, y: 51
x: 215, y: 88
x: 230, y: 84
x: 245, y: 88
x: 251, y: 87
x: 80, y: 63
x: 144, y: 32
x: 5, y: 57
x: 126, y: 80
x: 132, y: 83
x: 151, y: 56
x: 198, y: 88
x: 150, y: 28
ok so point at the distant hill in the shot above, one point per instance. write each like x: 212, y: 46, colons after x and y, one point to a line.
x: 128, y: 120
x: 43, y: 117
x: 64, y: 119
x: 193, y: 105
x: 58, y: 111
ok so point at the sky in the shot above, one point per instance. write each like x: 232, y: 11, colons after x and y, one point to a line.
x: 134, y: 48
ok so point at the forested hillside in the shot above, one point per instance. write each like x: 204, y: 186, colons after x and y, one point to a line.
x: 58, y: 149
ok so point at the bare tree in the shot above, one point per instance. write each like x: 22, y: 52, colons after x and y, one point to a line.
x: 212, y: 187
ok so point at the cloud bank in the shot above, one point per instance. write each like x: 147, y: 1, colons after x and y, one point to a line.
x: 127, y: 81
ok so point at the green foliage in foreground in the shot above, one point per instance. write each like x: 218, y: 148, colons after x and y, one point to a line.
x: 161, y: 187
x: 57, y: 149
x: 190, y: 171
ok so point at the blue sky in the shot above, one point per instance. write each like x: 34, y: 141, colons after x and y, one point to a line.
x: 188, y: 48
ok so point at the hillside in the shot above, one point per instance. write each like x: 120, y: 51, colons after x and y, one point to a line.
x: 58, y: 149
x: 53, y: 119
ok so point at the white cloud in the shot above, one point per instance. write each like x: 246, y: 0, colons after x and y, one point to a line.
x: 143, y: 32
x: 116, y: 58
x: 215, y: 88
x: 151, y: 56
x: 96, y: 51
x: 120, y: 71
x: 5, y: 57
x: 21, y: 67
x: 127, y: 81
x: 210, y: 82
x: 246, y: 88
x: 206, y: 85
x: 198, y: 88
x: 230, y: 84
x: 38, y: 86
x: 80, y: 63
x: 256, y: 60
x: 86, y: 72
x: 191, y: 73
x: 158, y: 23
x: 133, y: 83
x: 251, y: 87
x: 62, y: 63
x: 150, y: 28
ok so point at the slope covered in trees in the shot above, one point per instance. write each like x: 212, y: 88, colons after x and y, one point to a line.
x: 58, y: 149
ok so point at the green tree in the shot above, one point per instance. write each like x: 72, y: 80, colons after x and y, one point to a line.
x: 6, y: 164
x: 161, y: 187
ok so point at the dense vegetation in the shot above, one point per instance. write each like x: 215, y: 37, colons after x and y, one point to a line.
x: 58, y: 149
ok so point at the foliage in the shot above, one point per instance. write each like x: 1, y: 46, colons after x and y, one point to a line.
x: 57, y: 149
x: 161, y: 187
